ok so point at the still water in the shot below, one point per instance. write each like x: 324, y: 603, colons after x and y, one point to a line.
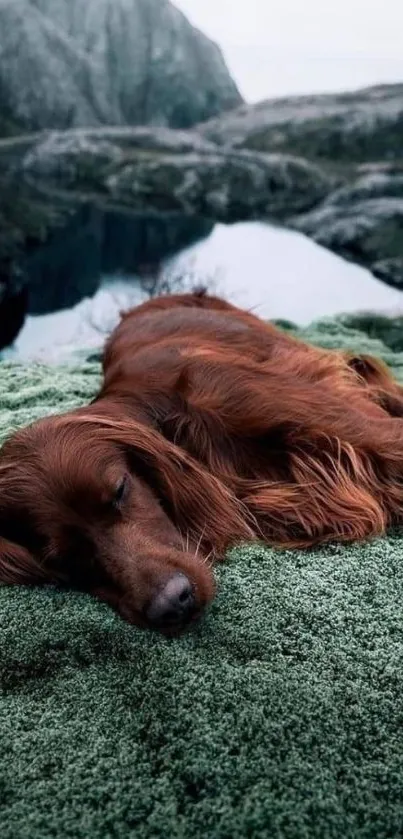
x: 275, y: 272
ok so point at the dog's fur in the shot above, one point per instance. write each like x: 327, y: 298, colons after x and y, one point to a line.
x: 226, y: 430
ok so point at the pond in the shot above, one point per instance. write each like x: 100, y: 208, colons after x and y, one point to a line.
x: 276, y: 273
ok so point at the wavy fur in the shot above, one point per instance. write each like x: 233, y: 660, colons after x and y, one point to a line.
x: 229, y: 429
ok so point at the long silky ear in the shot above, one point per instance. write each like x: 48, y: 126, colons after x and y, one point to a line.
x: 201, y: 503
x: 17, y: 566
x: 387, y: 391
x: 372, y: 370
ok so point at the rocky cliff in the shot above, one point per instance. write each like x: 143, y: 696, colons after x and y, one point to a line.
x: 70, y: 63
x: 119, y: 83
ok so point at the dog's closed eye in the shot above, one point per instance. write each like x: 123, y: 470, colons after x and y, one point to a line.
x: 121, y: 491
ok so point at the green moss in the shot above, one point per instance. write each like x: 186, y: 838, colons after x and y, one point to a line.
x: 387, y: 330
x: 278, y: 716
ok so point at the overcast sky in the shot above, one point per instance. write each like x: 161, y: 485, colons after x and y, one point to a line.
x: 278, y: 47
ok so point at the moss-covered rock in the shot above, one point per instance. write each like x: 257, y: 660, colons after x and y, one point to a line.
x: 168, y: 171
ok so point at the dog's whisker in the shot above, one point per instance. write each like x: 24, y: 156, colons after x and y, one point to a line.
x: 200, y: 541
x: 207, y: 560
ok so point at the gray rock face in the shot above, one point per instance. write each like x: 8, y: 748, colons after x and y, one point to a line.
x: 366, y: 125
x: 346, y: 192
x: 63, y: 188
x: 45, y: 79
x: 357, y: 137
x: 363, y: 221
x: 167, y: 171
x: 70, y: 63
x: 59, y: 249
x: 372, y: 182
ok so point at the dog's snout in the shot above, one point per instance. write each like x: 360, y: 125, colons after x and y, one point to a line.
x: 174, y: 605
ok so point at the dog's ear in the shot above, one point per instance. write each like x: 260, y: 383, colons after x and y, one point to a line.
x: 372, y: 370
x: 376, y: 374
x: 17, y: 565
x: 200, y: 503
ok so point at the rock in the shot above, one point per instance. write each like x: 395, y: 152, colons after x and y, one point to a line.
x: 358, y: 139
x: 45, y: 79
x: 167, y: 171
x: 374, y: 181
x: 367, y: 230
x: 70, y: 63
x: 366, y: 125
x: 25, y: 222
x: 81, y: 203
x: 389, y: 271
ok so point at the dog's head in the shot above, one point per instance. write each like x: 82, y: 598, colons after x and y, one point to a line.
x: 112, y: 508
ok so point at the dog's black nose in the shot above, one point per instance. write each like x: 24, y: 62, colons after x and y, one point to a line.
x: 174, y: 605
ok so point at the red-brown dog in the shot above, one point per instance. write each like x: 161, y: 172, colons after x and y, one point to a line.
x: 211, y: 427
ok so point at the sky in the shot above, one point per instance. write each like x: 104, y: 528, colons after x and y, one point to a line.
x: 282, y: 47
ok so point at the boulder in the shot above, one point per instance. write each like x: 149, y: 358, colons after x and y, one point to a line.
x: 358, y: 140
x: 70, y: 63
x: 363, y: 221
x: 366, y: 125
x: 81, y: 203
x: 171, y: 171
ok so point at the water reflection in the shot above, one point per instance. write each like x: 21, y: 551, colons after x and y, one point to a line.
x: 277, y: 273
x: 95, y: 244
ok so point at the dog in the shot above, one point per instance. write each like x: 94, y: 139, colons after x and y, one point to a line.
x: 211, y: 428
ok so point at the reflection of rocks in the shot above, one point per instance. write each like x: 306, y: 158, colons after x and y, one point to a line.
x: 95, y: 243
x: 25, y: 225
x: 13, y: 310
x: 68, y: 265
x: 70, y: 63
x: 168, y: 171
x: 135, y: 244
